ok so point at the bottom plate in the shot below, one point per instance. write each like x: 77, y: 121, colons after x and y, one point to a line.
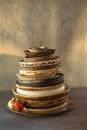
x: 47, y: 111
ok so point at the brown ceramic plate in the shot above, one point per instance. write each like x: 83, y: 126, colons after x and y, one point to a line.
x: 44, y: 103
x: 47, y: 111
x: 41, y: 53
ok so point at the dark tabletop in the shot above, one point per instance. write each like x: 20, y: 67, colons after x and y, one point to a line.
x: 75, y: 119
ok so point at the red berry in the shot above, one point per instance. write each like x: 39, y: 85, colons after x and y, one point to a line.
x: 18, y: 106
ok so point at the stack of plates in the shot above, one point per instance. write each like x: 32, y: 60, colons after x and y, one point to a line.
x: 40, y: 87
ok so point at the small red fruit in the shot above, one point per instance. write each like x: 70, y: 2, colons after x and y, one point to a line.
x: 18, y: 106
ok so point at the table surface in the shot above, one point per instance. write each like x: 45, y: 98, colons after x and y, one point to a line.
x: 75, y: 119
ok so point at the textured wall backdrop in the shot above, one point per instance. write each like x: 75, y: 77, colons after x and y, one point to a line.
x: 59, y: 24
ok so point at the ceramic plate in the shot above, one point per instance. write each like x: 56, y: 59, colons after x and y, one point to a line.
x: 47, y: 111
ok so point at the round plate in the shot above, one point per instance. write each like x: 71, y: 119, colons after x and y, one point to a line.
x: 40, y: 53
x: 67, y: 89
x: 47, y: 111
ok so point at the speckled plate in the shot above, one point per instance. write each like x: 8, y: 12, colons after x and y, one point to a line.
x: 47, y: 111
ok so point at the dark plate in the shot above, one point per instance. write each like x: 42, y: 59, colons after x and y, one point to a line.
x: 59, y: 78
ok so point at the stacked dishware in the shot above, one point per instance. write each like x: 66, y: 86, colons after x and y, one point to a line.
x: 40, y: 86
